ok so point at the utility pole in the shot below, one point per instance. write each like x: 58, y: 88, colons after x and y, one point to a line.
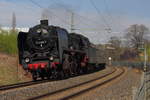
x: 143, y: 48
x: 145, y: 68
x: 72, y: 23
x: 145, y: 54
x: 145, y: 58
x: 13, y: 21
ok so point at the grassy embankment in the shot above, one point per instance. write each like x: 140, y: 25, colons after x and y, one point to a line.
x: 148, y: 52
x: 142, y: 56
x: 9, y: 71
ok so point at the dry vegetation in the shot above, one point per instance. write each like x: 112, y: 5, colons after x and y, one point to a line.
x: 10, y: 72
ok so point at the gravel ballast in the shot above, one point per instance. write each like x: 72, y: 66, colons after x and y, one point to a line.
x: 122, y: 89
x: 32, y: 91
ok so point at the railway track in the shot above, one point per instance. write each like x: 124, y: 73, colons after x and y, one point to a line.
x: 76, y: 90
x: 20, y: 85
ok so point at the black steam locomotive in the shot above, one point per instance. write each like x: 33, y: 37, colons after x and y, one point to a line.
x: 50, y: 51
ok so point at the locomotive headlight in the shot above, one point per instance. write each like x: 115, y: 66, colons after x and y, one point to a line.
x: 27, y: 60
x: 51, y: 58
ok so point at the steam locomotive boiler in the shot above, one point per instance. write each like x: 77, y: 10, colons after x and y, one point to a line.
x: 50, y: 51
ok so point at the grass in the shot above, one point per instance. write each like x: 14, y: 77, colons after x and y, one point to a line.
x: 8, y: 42
x: 148, y: 52
x: 142, y: 56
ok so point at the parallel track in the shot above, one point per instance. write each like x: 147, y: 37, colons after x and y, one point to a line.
x: 93, y: 87
x: 20, y: 85
x: 71, y: 95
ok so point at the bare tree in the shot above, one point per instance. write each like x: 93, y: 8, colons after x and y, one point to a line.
x: 136, y: 35
x: 13, y: 21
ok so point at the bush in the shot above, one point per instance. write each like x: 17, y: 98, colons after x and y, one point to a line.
x: 8, y: 42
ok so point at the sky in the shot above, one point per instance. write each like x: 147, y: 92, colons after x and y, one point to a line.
x: 115, y: 14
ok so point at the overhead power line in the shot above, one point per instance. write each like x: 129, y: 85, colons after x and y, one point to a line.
x: 76, y: 14
x: 109, y: 14
x: 107, y: 10
x: 108, y: 28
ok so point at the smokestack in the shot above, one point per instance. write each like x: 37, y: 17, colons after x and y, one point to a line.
x: 44, y: 22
